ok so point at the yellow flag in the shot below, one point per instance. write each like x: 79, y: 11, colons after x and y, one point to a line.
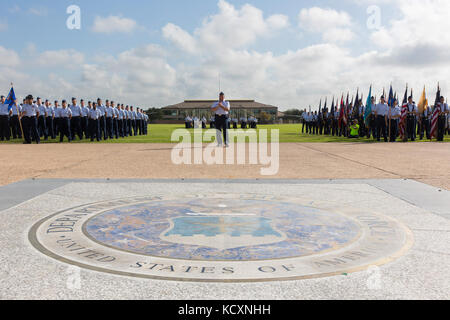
x: 423, y: 103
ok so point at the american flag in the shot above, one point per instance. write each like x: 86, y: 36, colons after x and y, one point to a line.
x: 437, y: 110
x: 403, y: 115
x: 434, y: 121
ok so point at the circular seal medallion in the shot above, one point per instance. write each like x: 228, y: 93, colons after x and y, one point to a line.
x: 226, y: 238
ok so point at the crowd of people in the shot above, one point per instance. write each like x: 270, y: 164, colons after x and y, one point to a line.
x: 244, y: 123
x: 388, y: 121
x: 35, y: 120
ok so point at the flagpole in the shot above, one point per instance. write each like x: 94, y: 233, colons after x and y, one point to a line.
x: 390, y: 115
x: 431, y: 122
x: 18, y: 115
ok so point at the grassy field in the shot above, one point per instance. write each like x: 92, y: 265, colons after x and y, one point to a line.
x: 163, y: 133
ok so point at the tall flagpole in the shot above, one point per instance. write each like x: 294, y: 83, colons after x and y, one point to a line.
x: 389, y: 123
x: 18, y: 115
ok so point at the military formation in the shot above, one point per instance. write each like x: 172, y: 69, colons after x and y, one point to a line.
x: 381, y: 120
x: 34, y: 120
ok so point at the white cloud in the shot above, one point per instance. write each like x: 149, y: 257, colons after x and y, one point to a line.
x: 134, y: 76
x: 335, y: 26
x: 338, y: 35
x: 8, y: 58
x: 230, y: 28
x: 422, y: 21
x: 113, y: 24
x: 278, y: 21
x: 180, y: 38
x: 62, y: 58
x: 318, y: 19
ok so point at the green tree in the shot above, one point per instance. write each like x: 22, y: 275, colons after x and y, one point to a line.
x: 154, y: 114
x: 293, y: 112
x: 265, y: 118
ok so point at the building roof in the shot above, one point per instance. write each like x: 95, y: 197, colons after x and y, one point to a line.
x: 206, y: 104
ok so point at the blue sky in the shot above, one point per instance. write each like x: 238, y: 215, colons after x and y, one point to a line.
x: 165, y: 51
x: 46, y: 26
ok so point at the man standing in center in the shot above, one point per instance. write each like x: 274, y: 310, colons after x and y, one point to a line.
x: 381, y: 113
x: 221, y: 110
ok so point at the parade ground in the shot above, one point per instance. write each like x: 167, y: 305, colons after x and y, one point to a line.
x: 343, y: 159
x: 340, y: 220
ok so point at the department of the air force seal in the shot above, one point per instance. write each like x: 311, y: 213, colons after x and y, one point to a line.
x: 220, y: 238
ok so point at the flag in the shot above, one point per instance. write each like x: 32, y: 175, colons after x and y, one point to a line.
x: 10, y: 99
x: 361, y: 103
x: 404, y: 113
x: 343, y: 113
x: 437, y: 110
x: 391, y: 98
x: 368, y: 110
x: 332, y: 107
x: 346, y: 111
x: 356, y: 105
x: 423, y: 103
x: 350, y: 108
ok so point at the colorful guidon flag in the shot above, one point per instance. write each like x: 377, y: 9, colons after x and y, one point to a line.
x: 10, y: 99
x: 368, y: 110
x: 423, y: 102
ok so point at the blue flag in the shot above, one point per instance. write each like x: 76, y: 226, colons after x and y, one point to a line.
x: 391, y: 97
x: 368, y: 111
x: 10, y: 99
